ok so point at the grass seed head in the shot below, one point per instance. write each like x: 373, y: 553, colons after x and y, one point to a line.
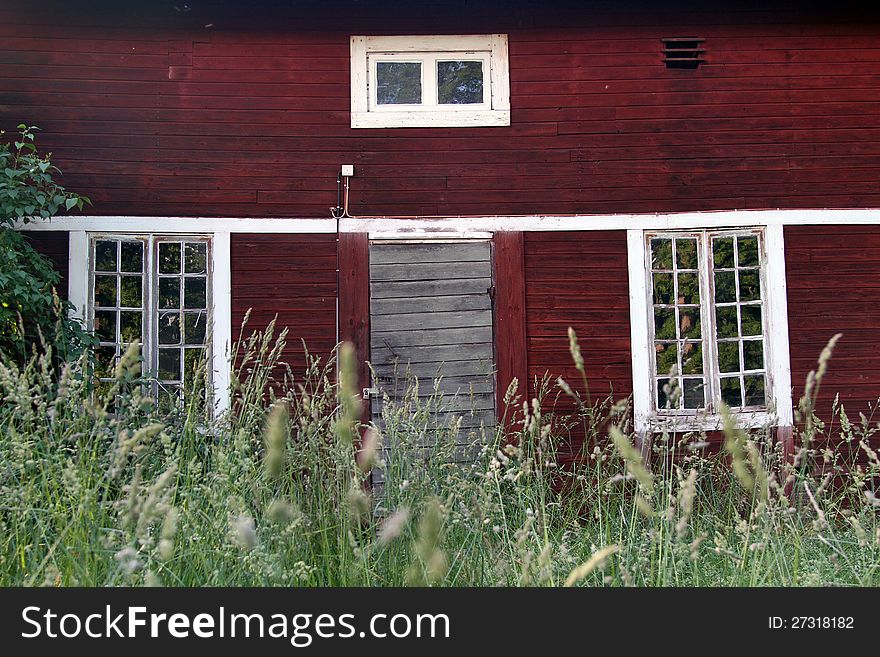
x: 392, y: 526
x: 367, y: 455
x: 575, y: 350
x: 597, y: 560
x: 244, y: 532
x: 276, y: 434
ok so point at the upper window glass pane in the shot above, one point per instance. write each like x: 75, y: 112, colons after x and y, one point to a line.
x: 132, y: 256
x: 106, y: 252
x: 169, y: 258
x: 398, y: 83
x: 459, y: 82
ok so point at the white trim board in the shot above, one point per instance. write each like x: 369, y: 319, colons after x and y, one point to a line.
x: 78, y: 273
x: 586, y: 222
x: 174, y: 225
x: 425, y: 227
x: 221, y: 335
x: 777, y: 332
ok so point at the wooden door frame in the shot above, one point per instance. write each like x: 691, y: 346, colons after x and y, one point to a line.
x: 509, y: 318
x: 353, y: 303
x: 508, y: 310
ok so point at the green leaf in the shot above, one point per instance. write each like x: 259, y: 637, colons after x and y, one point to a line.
x: 69, y: 203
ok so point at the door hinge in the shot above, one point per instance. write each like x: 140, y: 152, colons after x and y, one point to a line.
x: 491, y: 292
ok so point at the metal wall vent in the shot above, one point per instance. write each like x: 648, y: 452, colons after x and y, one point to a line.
x: 683, y: 52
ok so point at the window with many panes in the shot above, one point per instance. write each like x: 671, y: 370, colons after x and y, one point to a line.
x: 708, y: 321
x: 403, y: 81
x: 155, y: 290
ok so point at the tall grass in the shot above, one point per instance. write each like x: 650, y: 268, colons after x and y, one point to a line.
x: 103, y: 489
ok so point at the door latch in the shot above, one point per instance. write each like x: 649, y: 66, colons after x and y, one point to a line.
x: 370, y: 392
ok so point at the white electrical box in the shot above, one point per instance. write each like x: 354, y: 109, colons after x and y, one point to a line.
x: 347, y: 170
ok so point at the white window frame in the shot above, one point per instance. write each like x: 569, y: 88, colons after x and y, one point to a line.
x: 778, y: 378
x: 219, y: 340
x: 367, y: 51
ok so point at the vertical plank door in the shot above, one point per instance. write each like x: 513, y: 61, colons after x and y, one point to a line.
x: 431, y: 322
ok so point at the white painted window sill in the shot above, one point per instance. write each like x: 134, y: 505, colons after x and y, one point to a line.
x: 678, y: 423
x: 428, y: 119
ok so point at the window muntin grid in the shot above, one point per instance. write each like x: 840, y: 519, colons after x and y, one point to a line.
x: 739, y: 318
x: 677, y: 319
x: 167, y: 311
x: 712, y: 280
x: 181, y: 312
x: 117, y: 284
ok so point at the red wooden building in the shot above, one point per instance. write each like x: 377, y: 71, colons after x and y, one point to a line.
x: 692, y: 187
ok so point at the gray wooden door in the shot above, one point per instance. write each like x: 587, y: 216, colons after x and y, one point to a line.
x: 430, y: 318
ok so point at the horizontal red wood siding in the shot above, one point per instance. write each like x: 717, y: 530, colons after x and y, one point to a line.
x: 578, y: 280
x: 292, y: 277
x: 55, y: 245
x: 833, y: 278
x: 234, y: 110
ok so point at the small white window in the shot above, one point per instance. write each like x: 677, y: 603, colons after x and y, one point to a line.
x: 429, y: 81
x: 709, y: 338
x: 155, y: 290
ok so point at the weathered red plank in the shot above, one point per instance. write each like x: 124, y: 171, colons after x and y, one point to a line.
x: 55, y: 246
x: 511, y: 356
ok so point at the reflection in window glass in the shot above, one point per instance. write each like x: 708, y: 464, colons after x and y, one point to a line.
x: 132, y: 257
x: 105, y: 255
x: 169, y: 257
x: 398, y: 83
x: 459, y: 82
x: 196, y: 258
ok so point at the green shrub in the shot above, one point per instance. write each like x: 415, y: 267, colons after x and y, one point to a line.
x: 31, y: 313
